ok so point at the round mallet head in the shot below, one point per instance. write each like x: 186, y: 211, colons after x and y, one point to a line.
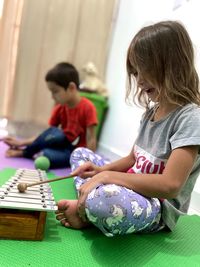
x: 22, y: 187
x: 42, y: 163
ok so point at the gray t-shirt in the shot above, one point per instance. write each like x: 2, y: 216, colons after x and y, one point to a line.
x: 154, y: 144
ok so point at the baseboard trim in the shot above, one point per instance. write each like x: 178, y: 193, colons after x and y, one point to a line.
x: 195, y: 200
x: 109, y: 152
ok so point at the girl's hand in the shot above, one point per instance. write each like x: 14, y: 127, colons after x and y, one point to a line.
x: 86, y: 170
x: 87, y: 187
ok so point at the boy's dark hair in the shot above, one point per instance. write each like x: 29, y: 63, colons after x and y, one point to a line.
x: 62, y: 74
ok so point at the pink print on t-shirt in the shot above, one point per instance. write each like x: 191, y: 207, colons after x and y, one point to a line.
x: 146, y: 163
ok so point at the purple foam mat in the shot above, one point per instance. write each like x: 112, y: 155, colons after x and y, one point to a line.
x: 23, y: 162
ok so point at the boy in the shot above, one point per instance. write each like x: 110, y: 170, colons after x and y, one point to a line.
x: 72, y: 121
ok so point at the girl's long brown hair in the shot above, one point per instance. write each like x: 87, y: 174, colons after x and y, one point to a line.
x: 164, y: 54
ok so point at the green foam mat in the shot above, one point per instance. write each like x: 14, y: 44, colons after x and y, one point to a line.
x: 89, y: 247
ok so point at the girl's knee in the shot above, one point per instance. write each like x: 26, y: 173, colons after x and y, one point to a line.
x: 115, y: 210
x: 80, y: 154
x: 102, y: 203
x: 77, y: 152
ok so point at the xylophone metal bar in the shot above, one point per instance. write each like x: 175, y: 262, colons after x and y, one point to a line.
x: 23, y: 215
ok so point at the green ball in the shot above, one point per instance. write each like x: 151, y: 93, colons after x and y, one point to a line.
x: 42, y: 163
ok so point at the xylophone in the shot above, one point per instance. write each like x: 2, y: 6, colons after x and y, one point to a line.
x: 23, y: 215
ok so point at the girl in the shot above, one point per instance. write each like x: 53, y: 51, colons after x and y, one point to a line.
x: 150, y: 188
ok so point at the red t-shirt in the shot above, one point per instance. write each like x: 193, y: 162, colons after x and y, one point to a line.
x: 74, y: 121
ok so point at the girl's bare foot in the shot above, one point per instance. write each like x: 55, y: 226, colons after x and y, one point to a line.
x: 14, y: 153
x: 67, y: 214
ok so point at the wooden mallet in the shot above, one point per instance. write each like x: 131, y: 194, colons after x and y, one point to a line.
x: 23, y: 186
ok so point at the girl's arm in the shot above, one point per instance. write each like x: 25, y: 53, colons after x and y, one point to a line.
x: 169, y: 183
x: 121, y: 165
x: 166, y: 185
x: 89, y: 169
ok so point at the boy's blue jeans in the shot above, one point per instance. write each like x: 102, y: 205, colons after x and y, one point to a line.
x: 54, y: 145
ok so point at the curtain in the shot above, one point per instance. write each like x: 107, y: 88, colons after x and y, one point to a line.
x: 52, y: 31
x: 9, y: 31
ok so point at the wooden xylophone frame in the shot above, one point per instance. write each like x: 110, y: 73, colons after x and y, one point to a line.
x: 22, y: 222
x: 22, y: 225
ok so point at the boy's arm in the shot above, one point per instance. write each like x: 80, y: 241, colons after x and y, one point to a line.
x: 29, y: 141
x: 13, y: 141
x: 91, y: 137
